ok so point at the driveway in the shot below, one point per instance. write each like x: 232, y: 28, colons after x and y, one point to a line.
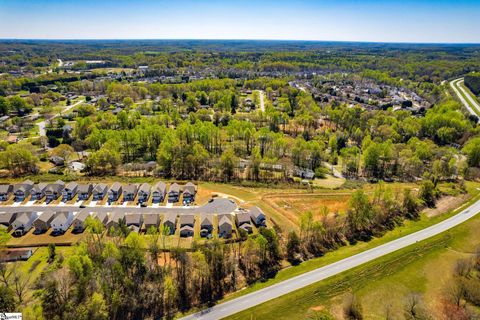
x: 217, y: 206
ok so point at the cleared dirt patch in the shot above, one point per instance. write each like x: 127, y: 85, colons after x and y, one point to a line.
x: 445, y: 204
x: 293, y: 206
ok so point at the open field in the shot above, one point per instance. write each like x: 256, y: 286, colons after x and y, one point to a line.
x: 407, y: 228
x: 384, y: 281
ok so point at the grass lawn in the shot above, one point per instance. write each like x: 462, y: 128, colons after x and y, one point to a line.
x: 424, y: 268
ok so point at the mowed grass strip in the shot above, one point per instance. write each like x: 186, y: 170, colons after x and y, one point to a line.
x: 408, y: 227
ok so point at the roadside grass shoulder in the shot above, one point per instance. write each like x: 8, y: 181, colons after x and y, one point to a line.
x: 422, y: 268
x: 408, y: 227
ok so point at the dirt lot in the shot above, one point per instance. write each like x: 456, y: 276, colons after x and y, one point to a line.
x: 446, y: 204
x: 294, y: 206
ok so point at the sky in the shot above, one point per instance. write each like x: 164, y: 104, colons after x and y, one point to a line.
x: 421, y: 21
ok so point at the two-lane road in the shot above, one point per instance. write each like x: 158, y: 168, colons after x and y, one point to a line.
x: 274, y: 291
x: 461, y: 93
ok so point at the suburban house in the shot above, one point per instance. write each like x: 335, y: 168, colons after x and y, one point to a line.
x: 101, y: 216
x: 242, y: 219
x: 151, y: 220
x: 258, y: 217
x: 130, y: 192
x: 187, y: 223
x: 187, y: 220
x: 22, y: 190
x: 206, y: 224
x: 12, y: 255
x: 62, y: 222
x: 84, y: 191
x: 114, y: 219
x: 115, y: 191
x: 134, y: 221
x: 304, y: 173
x: 170, y: 221
x: 23, y: 223
x: 174, y: 193
x: 159, y: 191
x: 54, y: 190
x: 99, y: 191
x: 70, y: 191
x: 189, y: 192
x: 144, y: 192
x: 225, y: 226
x: 5, y: 191
x: 186, y: 231
x: 42, y: 224
x: 38, y: 191
x: 78, y: 223
x: 6, y: 220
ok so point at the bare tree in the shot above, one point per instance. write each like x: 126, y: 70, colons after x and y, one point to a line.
x: 414, y: 308
x: 20, y: 282
x: 353, y: 308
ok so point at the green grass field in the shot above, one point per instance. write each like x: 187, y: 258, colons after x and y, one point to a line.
x: 407, y: 228
x: 422, y: 268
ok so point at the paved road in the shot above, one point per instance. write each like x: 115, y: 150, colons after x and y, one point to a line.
x: 455, y: 84
x: 274, y: 291
x: 217, y: 206
x: 42, y: 124
x: 262, y: 101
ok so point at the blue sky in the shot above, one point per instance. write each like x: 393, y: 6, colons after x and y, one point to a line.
x: 349, y: 20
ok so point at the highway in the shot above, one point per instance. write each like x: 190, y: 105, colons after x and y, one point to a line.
x: 455, y: 84
x: 282, y: 288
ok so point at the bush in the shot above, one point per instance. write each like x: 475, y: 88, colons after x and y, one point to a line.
x: 353, y: 308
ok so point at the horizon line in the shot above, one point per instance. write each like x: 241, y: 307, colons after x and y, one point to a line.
x: 236, y: 39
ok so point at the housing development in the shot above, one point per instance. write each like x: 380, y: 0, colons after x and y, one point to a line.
x: 143, y: 178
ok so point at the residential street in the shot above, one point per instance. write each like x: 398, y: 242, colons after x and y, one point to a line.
x: 455, y: 84
x: 262, y: 101
x: 255, y: 298
x: 217, y: 206
x: 42, y: 124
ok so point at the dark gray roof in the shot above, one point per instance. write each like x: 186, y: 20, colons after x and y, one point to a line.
x: 133, y: 218
x: 187, y: 219
x: 5, y: 188
x: 61, y: 217
x: 224, y: 218
x: 117, y: 216
x: 71, y: 185
x: 7, y: 217
x: 82, y: 216
x: 145, y: 188
x: 243, y: 217
x: 174, y: 187
x: 46, y: 216
x: 169, y: 217
x: 206, y: 219
x: 24, y: 217
x: 160, y: 186
x: 151, y: 218
x: 84, y: 188
x: 255, y: 212
x: 101, y: 187
x: 100, y: 215
x: 39, y: 187
x: 131, y: 188
x: 116, y: 187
